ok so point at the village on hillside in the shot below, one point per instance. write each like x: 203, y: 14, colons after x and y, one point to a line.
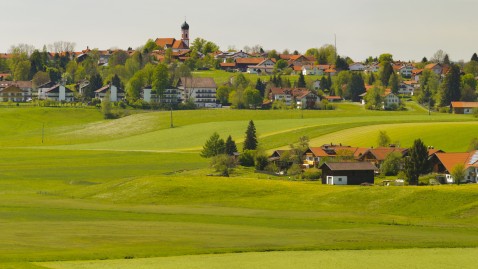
x: 166, y: 72
x: 347, y: 165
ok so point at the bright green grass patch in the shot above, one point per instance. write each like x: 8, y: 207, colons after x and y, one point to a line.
x: 221, y: 77
x: 446, y: 136
x: 392, y: 259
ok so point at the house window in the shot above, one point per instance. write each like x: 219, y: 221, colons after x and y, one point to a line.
x: 340, y: 179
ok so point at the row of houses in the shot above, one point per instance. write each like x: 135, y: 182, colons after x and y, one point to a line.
x: 201, y: 91
x: 346, y: 165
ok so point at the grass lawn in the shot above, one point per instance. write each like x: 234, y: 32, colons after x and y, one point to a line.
x: 133, y: 187
x: 372, y: 259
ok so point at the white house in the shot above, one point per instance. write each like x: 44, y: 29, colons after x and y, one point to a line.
x: 357, y: 67
x: 374, y: 67
x: 390, y: 99
x: 406, y: 88
x: 59, y: 93
x: 264, y: 67
x: 116, y: 94
x: 406, y: 70
x: 312, y: 70
x: 202, y: 91
x: 444, y: 163
x: 303, y: 98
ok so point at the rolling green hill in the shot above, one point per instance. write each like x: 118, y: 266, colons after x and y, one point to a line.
x: 135, y: 188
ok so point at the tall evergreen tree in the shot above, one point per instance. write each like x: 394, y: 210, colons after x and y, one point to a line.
x: 416, y: 162
x: 474, y: 57
x: 301, y: 82
x: 371, y: 79
x: 323, y: 84
x: 424, y: 60
x: 356, y: 87
x: 250, y: 143
x: 393, y: 83
x: 386, y: 73
x: 96, y: 82
x: 450, y: 90
x: 329, y: 82
x: 341, y: 64
x: 230, y: 146
x: 260, y: 86
x: 116, y: 81
x: 446, y: 59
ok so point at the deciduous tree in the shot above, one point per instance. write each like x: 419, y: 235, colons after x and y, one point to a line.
x: 383, y: 139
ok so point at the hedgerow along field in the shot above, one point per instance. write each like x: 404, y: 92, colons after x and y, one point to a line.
x: 130, y: 188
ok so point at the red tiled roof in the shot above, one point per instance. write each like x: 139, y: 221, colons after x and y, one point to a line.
x: 249, y: 61
x: 227, y: 64
x: 464, y: 104
x: 162, y: 42
x: 450, y: 160
x: 381, y: 154
x: 348, y: 166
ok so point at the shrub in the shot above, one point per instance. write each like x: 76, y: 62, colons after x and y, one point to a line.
x: 223, y: 164
x: 312, y: 174
x: 475, y: 112
x: 295, y: 169
x: 261, y: 162
x: 247, y: 158
x: 444, y: 109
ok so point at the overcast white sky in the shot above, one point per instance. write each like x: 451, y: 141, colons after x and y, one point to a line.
x: 408, y: 29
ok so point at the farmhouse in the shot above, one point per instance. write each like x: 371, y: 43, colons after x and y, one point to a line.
x: 348, y: 173
x: 301, y: 97
x: 463, y: 107
x: 313, y: 156
x: 378, y: 155
x: 444, y: 163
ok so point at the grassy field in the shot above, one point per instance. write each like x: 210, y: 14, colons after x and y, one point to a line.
x: 372, y: 259
x: 117, y: 189
x: 221, y: 77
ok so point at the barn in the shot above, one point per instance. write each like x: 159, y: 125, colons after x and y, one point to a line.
x: 348, y: 173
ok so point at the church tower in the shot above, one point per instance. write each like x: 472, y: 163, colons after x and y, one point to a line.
x: 185, y: 33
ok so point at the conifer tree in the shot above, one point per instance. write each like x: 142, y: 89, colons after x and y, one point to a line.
x: 301, y: 81
x: 250, y: 143
x: 474, y: 57
x: 230, y: 146
x: 386, y: 73
x: 371, y: 79
x: 393, y: 83
x: 415, y: 163
x: 213, y: 146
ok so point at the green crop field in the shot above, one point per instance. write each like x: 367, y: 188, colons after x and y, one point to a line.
x: 134, y: 188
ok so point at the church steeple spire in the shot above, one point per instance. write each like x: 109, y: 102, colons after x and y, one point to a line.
x: 185, y: 33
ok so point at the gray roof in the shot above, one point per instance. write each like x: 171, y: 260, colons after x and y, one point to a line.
x: 198, y: 82
x: 349, y: 166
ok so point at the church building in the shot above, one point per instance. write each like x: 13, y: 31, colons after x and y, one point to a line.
x: 174, y: 44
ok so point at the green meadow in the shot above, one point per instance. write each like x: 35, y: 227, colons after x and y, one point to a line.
x: 135, y: 192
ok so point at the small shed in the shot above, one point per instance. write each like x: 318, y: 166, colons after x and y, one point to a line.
x: 348, y: 173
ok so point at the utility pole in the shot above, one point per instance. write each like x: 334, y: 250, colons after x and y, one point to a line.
x: 42, y: 132
x: 172, y: 126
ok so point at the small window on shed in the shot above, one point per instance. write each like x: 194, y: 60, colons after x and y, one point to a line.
x: 340, y: 179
